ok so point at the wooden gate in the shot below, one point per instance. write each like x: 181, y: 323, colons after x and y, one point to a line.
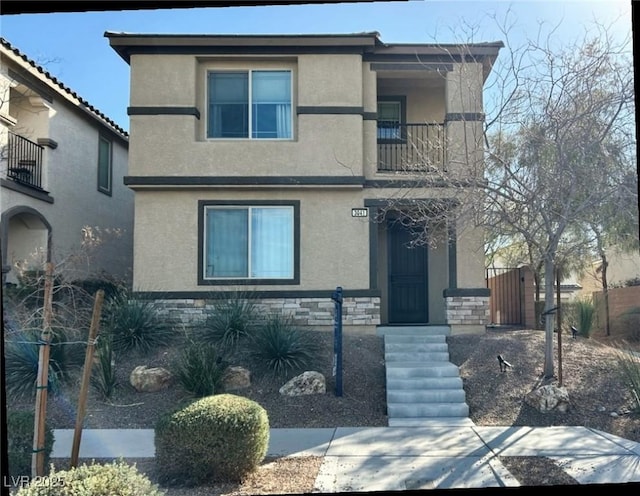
x: 505, y: 302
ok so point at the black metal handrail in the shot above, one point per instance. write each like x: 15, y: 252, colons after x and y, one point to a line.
x: 24, y: 159
x: 410, y: 147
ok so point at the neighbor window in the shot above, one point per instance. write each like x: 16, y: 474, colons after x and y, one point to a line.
x: 249, y: 104
x: 390, y: 117
x: 104, y: 166
x: 249, y: 242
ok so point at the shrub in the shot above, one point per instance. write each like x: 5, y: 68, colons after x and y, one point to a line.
x: 278, y: 346
x: 585, y: 311
x: 217, y: 438
x: 113, y: 479
x: 231, y: 321
x: 103, y: 378
x: 22, y: 354
x: 629, y: 367
x: 199, y: 369
x: 20, y: 425
x: 134, y: 324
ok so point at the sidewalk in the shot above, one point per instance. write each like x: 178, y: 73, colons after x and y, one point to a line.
x: 401, y: 458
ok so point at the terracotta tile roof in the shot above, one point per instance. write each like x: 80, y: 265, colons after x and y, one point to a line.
x: 65, y: 89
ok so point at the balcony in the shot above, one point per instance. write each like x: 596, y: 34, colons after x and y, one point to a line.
x: 24, y: 159
x: 410, y: 147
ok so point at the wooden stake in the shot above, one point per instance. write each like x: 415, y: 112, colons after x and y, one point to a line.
x: 37, y: 457
x: 86, y: 376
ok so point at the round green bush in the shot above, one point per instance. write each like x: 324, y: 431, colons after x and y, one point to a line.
x: 216, y: 438
x: 113, y: 479
x: 20, y: 426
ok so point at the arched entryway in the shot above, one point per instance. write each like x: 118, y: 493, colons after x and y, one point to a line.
x: 26, y: 238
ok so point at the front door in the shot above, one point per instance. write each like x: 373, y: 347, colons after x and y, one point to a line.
x: 408, y: 297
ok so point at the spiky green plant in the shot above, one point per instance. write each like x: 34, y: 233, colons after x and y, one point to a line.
x: 103, y: 377
x: 22, y: 354
x: 230, y: 322
x: 629, y: 367
x: 134, y: 324
x: 278, y: 346
x: 199, y: 369
x: 585, y: 311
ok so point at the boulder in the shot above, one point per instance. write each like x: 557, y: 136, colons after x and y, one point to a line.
x: 548, y: 398
x: 236, y: 378
x: 306, y: 383
x: 148, y: 380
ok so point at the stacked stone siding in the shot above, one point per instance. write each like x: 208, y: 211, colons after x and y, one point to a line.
x: 471, y: 310
x: 303, y: 311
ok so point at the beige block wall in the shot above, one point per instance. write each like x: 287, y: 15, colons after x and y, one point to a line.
x: 334, y: 245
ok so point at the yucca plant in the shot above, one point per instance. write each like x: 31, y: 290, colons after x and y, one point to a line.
x: 629, y: 366
x: 231, y: 321
x: 22, y: 354
x: 199, y: 369
x: 134, y: 324
x: 585, y: 311
x: 103, y: 378
x: 278, y: 346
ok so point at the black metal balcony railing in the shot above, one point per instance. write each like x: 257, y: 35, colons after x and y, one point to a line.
x: 24, y: 159
x: 410, y: 147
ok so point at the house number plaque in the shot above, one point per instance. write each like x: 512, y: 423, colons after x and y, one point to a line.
x: 359, y: 212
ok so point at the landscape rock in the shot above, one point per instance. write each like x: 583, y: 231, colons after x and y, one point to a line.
x: 236, y: 378
x: 548, y: 398
x: 309, y: 382
x: 150, y: 379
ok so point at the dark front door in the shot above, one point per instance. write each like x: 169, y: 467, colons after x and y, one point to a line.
x: 407, y: 278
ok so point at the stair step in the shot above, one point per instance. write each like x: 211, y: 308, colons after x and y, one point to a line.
x: 416, y: 356
x: 408, y: 396
x: 419, y: 330
x: 431, y: 422
x: 427, y: 347
x: 417, y: 383
x: 410, y: 339
x: 406, y: 370
x: 427, y: 410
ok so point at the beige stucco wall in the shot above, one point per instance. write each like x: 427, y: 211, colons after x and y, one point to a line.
x: 334, y: 245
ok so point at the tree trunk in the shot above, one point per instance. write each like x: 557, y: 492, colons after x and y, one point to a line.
x: 549, y: 317
x: 605, y: 292
x: 559, y: 323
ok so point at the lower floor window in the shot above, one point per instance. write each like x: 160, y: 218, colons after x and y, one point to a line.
x: 249, y: 242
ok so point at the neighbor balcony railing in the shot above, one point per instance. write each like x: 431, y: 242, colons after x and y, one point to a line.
x: 410, y: 147
x: 24, y: 159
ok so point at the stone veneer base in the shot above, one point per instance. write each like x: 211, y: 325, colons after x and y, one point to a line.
x: 303, y: 311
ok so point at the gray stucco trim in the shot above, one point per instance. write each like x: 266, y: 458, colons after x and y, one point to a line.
x: 452, y: 247
x: 164, y: 111
x: 250, y: 294
x: 464, y: 116
x: 416, y: 66
x: 450, y: 292
x: 244, y: 180
x: 48, y: 142
x: 321, y: 110
x: 25, y: 190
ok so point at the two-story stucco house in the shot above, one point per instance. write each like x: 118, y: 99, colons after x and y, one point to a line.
x: 260, y: 164
x: 61, y: 167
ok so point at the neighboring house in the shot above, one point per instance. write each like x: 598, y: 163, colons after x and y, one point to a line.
x: 621, y: 268
x: 61, y: 167
x: 260, y: 164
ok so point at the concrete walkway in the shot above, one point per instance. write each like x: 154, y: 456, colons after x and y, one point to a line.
x: 400, y: 458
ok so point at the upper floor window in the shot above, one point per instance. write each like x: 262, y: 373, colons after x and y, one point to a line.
x: 391, y: 116
x: 253, y: 104
x: 104, y: 166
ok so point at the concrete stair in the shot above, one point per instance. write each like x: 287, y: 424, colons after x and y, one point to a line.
x: 423, y: 386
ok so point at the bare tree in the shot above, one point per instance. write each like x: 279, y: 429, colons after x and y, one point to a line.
x: 558, y: 144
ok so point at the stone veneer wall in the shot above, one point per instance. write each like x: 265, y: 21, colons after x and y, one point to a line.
x: 472, y: 310
x: 304, y: 311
